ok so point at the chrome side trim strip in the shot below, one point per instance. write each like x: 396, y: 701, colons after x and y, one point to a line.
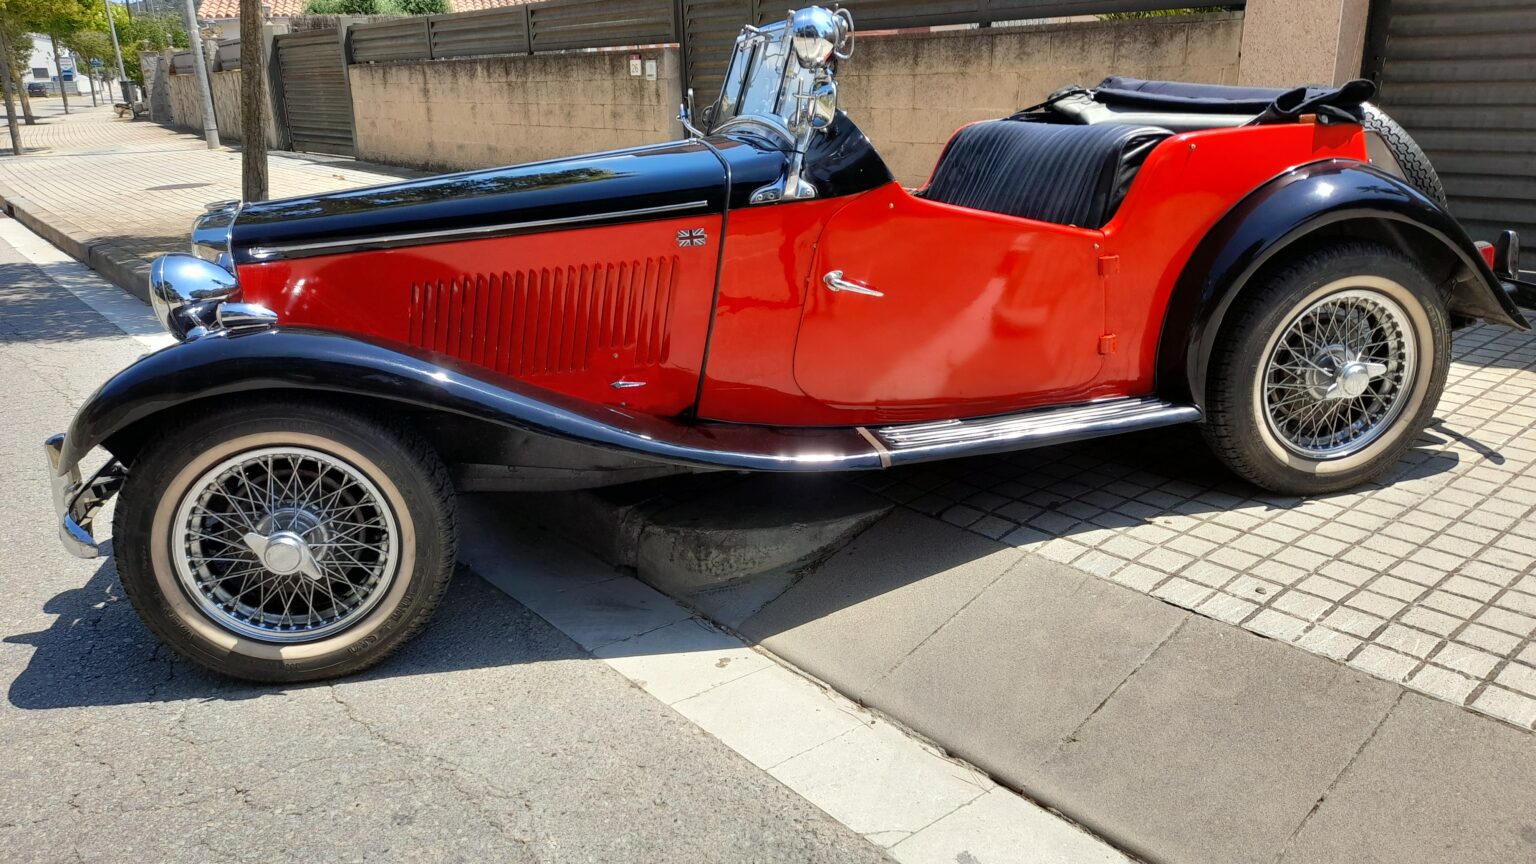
x: 481, y: 232
x: 919, y: 442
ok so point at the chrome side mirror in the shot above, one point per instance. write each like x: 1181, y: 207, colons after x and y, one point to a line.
x: 822, y: 106
x: 685, y: 115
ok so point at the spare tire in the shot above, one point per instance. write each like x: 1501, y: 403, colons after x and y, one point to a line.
x: 1416, y: 168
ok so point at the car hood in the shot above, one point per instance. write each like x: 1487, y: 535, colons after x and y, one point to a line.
x: 621, y: 185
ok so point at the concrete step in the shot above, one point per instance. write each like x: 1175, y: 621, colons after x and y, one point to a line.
x: 708, y: 532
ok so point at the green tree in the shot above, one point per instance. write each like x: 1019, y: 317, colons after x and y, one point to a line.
x: 376, y: 7
x: 1189, y: 10
x: 424, y: 7
x: 144, y: 33
x: 58, y: 19
x: 351, y: 7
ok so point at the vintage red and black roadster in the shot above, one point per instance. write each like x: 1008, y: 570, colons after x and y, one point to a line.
x: 1277, y: 266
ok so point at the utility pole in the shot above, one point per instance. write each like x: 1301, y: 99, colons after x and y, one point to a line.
x: 122, y: 74
x: 200, y: 65
x: 253, y: 97
x: 10, y: 105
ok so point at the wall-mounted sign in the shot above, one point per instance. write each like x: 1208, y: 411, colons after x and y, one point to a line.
x: 634, y: 65
x: 650, y: 70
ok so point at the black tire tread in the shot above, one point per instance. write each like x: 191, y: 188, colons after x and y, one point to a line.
x: 1416, y: 166
x: 1225, y: 403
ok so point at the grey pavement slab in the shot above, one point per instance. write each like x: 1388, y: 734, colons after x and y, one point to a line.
x: 1435, y: 784
x: 1217, y: 748
x: 852, y: 619
x: 1010, y: 677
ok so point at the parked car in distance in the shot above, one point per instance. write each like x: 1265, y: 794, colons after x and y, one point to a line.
x: 37, y: 88
x: 1276, y: 266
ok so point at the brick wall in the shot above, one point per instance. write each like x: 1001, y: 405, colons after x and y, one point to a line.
x: 909, y: 92
x: 451, y: 114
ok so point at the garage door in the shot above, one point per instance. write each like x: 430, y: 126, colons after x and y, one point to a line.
x: 1460, y: 75
x: 316, y: 103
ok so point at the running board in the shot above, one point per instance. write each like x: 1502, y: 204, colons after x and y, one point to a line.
x: 944, y: 439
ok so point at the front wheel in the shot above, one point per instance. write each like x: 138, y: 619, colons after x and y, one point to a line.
x: 285, y: 542
x: 1327, y: 370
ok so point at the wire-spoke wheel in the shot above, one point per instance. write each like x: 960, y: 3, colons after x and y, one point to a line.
x: 285, y: 544
x: 1327, y: 369
x: 1336, y: 377
x: 285, y: 541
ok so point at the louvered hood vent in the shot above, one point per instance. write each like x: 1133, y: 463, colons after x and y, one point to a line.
x: 548, y: 321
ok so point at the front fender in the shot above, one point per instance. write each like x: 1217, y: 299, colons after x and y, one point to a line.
x: 319, y: 361
x: 1284, y: 211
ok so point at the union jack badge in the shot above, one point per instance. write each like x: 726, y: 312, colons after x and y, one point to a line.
x: 692, y: 237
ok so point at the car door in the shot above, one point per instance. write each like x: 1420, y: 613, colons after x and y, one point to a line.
x: 944, y: 311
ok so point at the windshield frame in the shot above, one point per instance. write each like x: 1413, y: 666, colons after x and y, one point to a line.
x: 748, y: 76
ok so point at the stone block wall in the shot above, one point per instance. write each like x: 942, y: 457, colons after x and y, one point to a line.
x: 910, y: 92
x: 182, y: 107
x: 455, y: 114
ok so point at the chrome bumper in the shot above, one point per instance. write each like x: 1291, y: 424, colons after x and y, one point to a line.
x: 76, y: 503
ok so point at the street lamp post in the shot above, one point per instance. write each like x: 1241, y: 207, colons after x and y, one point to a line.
x: 205, y: 90
x: 122, y: 74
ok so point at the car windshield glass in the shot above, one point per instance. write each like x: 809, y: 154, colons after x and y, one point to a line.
x: 761, y: 76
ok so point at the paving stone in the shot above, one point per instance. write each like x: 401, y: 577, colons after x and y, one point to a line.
x: 1262, y: 730
x: 1465, y: 659
x: 1488, y: 639
x: 1444, y: 684
x: 1514, y: 707
x: 1435, y: 784
x: 1384, y: 663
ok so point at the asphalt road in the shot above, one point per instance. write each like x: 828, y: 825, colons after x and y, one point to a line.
x: 492, y: 737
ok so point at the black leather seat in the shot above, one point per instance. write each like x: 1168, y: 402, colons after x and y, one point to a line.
x: 1051, y: 172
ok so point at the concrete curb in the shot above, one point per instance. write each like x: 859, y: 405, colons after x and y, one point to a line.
x: 683, y: 535
x: 123, y: 269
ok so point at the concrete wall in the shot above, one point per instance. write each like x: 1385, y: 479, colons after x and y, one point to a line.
x: 909, y: 92
x: 1289, y: 42
x: 452, y: 114
x: 184, y: 105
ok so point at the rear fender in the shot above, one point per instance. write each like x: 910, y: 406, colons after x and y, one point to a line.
x: 131, y: 405
x: 1326, y: 200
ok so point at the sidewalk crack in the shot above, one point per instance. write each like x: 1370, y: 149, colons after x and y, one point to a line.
x: 1072, y: 736
x: 1333, y: 784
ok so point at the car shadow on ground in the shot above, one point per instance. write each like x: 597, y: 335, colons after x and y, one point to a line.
x: 97, y: 653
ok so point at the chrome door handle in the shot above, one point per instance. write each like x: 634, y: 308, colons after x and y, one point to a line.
x: 835, y: 282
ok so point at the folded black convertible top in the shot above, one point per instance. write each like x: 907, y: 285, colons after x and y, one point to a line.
x: 1269, y: 105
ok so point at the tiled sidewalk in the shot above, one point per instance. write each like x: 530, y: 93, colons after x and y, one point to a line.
x: 1428, y: 578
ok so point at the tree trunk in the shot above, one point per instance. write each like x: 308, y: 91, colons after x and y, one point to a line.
x: 10, y: 102
x: 21, y: 88
x: 58, y: 60
x: 253, y: 98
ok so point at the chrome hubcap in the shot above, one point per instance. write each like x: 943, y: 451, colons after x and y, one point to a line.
x: 285, y: 544
x: 1339, y: 374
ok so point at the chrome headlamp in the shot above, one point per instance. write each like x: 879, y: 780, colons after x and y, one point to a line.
x: 192, y: 292
x: 185, y: 291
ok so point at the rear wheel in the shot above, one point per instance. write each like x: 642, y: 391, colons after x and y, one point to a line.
x: 1327, y: 370
x: 285, y: 541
